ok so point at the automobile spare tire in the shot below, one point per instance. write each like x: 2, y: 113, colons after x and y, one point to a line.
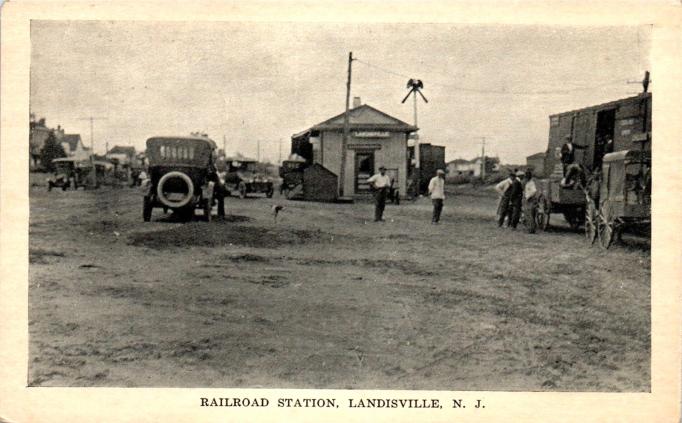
x: 175, y: 203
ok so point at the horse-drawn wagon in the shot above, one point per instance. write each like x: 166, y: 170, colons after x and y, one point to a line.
x: 624, y: 200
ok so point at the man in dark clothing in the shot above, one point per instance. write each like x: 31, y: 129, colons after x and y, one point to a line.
x: 380, y: 184
x: 516, y: 200
x: 510, y: 203
x: 568, y: 152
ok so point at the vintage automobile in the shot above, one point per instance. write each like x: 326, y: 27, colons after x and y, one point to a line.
x: 76, y: 173
x: 243, y: 178
x: 182, y: 177
x: 291, y: 173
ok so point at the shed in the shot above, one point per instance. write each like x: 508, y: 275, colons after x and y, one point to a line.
x: 319, y: 184
x: 536, y: 162
x: 431, y: 158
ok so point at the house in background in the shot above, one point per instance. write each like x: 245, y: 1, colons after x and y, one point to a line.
x: 536, y: 162
x: 460, y: 167
x: 38, y: 133
x: 375, y: 139
x: 124, y: 155
x: 472, y: 167
x: 73, y: 147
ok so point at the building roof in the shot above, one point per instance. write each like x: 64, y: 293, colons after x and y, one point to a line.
x: 127, y: 150
x: 362, y: 117
x: 459, y: 161
x: 610, y: 104
x: 537, y: 155
x: 207, y: 140
x: 73, y: 140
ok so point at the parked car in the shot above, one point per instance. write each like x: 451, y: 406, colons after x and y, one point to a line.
x: 183, y: 177
x: 291, y: 173
x: 75, y: 173
x: 242, y: 177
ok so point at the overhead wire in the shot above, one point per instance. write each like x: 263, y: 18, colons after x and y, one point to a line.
x: 502, y: 91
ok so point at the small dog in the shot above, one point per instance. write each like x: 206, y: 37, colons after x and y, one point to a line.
x: 275, y: 211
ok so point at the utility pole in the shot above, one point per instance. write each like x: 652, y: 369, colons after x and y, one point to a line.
x: 416, y: 136
x: 344, y: 141
x: 224, y: 145
x: 92, y: 119
x: 415, y: 86
x: 645, y: 82
x: 258, y: 153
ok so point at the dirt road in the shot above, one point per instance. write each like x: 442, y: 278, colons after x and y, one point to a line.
x: 327, y: 299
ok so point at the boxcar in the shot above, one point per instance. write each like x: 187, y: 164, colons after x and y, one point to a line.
x: 626, y: 121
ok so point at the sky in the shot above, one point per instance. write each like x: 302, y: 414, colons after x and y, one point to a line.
x: 259, y: 83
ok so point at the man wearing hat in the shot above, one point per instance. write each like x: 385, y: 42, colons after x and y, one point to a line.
x: 437, y: 191
x: 380, y: 184
x: 568, y: 152
x: 512, y: 198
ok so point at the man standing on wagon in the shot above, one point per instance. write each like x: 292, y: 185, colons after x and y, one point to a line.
x: 568, y: 152
x: 380, y: 184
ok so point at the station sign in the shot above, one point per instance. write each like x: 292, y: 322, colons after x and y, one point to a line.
x: 371, y: 134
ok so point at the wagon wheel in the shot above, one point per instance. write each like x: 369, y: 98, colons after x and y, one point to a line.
x: 607, y: 226
x: 542, y: 214
x: 573, y: 219
x: 591, y: 222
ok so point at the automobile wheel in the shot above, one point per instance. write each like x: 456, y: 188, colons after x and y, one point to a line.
x: 147, y: 209
x: 242, y: 190
x: 186, y: 196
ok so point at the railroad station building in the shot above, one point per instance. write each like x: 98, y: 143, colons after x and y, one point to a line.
x: 375, y: 139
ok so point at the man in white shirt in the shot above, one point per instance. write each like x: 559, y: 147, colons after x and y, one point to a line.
x: 437, y: 191
x: 380, y: 184
x: 501, y: 188
x: 530, y: 191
